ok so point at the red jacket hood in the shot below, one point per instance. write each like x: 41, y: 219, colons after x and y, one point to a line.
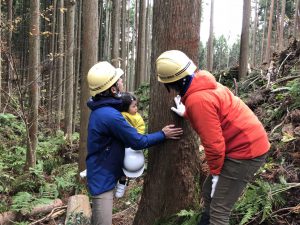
x: 203, y: 80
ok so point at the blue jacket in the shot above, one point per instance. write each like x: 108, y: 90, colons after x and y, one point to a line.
x: 108, y: 135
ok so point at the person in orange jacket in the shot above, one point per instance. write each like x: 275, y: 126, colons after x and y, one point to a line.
x: 235, y: 142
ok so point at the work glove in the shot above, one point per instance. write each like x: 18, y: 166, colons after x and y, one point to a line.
x: 180, y: 108
x: 214, y: 184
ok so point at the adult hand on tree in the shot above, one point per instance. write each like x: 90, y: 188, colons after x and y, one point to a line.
x: 171, y: 132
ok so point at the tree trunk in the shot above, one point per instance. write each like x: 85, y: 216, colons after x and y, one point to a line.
x: 33, y: 65
x: 282, y: 16
x: 141, y: 47
x: 172, y: 180
x: 244, y: 49
x: 89, y: 58
x: 71, y: 6
x: 210, y: 50
x: 77, y: 65
x: 123, y: 37
x: 254, y: 35
x: 148, y: 41
x: 9, y: 45
x: 297, y: 20
x: 107, y: 42
x: 268, y: 50
x: 263, y: 35
x: 53, y: 58
x: 115, y: 26
x: 59, y: 80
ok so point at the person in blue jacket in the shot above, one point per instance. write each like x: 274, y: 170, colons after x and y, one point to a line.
x: 108, y: 135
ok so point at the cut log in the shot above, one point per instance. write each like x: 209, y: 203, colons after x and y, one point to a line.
x: 78, y: 204
x: 42, y: 209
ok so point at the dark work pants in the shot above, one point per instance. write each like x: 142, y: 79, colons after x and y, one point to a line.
x: 233, y: 179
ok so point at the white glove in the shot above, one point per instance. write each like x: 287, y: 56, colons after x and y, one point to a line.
x: 180, y: 108
x: 214, y: 184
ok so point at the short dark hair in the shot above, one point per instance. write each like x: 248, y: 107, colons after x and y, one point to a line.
x: 127, y: 99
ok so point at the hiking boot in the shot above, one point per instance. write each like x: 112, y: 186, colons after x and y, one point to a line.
x: 120, y: 190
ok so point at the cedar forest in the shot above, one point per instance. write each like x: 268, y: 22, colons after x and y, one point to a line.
x: 47, y: 48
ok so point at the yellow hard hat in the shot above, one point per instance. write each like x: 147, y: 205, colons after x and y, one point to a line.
x: 173, y: 65
x: 102, y: 76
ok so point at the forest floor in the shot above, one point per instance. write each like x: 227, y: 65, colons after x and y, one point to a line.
x: 272, y: 91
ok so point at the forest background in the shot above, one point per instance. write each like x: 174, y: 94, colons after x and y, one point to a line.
x: 47, y: 47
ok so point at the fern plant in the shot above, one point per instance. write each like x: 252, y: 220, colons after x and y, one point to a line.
x: 259, y: 199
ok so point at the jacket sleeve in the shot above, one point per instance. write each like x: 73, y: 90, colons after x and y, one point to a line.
x: 203, y: 115
x: 121, y: 129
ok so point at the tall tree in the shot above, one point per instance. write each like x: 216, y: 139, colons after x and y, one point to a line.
x: 124, y: 36
x: 90, y: 35
x: 254, y: 34
x: 33, y: 65
x: 9, y: 44
x: 173, y: 167
x: 107, y: 42
x: 263, y: 33
x: 244, y: 50
x: 115, y: 26
x: 59, y: 80
x: 140, y: 63
x: 269, y: 39
x: 297, y: 20
x: 71, y: 6
x: 281, y: 32
x: 210, y: 43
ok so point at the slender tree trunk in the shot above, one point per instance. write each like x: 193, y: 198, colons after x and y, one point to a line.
x: 254, y: 35
x: 9, y: 45
x: 89, y: 58
x: 173, y: 167
x: 141, y: 50
x: 297, y: 20
x: 107, y: 42
x: 34, y: 60
x: 77, y: 65
x: 210, y: 53
x: 268, y: 50
x: 123, y: 37
x: 244, y: 48
x: 71, y: 6
x: 101, y: 34
x: 282, y: 16
x: 115, y: 26
x: 263, y: 35
x: 148, y: 41
x: 59, y: 81
x: 52, y: 55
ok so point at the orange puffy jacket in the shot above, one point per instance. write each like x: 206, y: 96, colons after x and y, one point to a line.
x: 225, y: 124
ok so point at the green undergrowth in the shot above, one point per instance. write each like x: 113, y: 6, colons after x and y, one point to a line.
x: 54, y: 175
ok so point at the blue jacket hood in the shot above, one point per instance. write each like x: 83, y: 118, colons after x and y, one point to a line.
x: 105, y: 101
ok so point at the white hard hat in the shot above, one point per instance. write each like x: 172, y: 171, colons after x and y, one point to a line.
x: 102, y: 76
x: 173, y: 65
x: 134, y: 163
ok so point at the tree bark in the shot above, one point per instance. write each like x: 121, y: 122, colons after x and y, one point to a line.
x: 71, y: 6
x: 0, y: 56
x: 89, y: 58
x: 173, y: 167
x: 59, y: 80
x: 107, y: 42
x: 123, y: 37
x: 115, y: 26
x: 297, y: 20
x: 141, y: 47
x: 281, y: 32
x: 244, y: 49
x: 9, y: 45
x: 210, y: 53
x: 268, y: 50
x: 34, y: 71
x: 254, y: 35
x: 263, y: 35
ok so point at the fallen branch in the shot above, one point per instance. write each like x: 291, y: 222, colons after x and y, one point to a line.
x: 281, y: 123
x: 283, y: 61
x: 52, y: 214
x: 286, y: 79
